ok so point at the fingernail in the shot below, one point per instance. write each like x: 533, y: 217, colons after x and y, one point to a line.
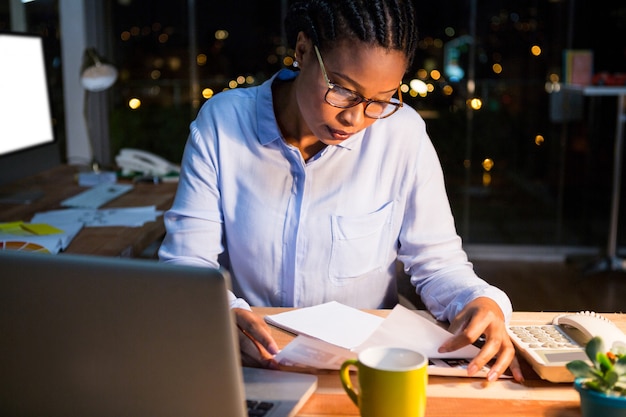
x: 472, y: 369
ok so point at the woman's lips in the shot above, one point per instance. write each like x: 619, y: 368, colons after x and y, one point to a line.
x: 339, y: 134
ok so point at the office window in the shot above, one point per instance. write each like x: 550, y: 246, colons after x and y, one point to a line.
x: 484, y: 80
x: 512, y: 176
x: 168, y: 69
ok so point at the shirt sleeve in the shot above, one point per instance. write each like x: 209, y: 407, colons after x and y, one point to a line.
x: 194, y: 222
x: 235, y: 302
x: 431, y: 249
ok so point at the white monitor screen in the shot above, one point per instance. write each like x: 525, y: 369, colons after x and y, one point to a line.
x: 25, y: 115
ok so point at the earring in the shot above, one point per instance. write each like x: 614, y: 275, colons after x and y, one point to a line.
x: 295, y: 60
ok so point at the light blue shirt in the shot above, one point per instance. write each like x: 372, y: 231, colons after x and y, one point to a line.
x: 296, y: 233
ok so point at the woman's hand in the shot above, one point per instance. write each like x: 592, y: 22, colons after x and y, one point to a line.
x: 483, y: 317
x: 256, y: 343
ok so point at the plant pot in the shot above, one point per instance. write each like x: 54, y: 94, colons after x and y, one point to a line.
x: 597, y: 404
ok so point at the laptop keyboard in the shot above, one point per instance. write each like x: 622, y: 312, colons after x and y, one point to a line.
x: 258, y: 408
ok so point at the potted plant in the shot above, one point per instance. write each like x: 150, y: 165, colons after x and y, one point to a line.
x: 601, y: 384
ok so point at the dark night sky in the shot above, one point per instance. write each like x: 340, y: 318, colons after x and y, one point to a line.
x: 596, y: 24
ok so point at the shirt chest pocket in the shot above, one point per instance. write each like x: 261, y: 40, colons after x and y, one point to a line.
x: 360, y: 244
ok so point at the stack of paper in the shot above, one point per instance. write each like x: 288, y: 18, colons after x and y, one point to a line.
x: 38, y: 236
x: 330, y: 333
x: 123, y: 216
x: 52, y: 231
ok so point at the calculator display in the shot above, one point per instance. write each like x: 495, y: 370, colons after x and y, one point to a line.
x: 560, y: 356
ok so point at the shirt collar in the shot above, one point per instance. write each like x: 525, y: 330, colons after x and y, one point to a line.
x: 268, y: 125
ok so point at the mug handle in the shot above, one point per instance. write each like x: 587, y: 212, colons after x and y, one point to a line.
x: 344, y: 375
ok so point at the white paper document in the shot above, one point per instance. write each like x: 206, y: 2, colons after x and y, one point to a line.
x: 406, y: 328
x: 122, y: 216
x: 330, y: 333
x: 308, y: 352
x: 332, y: 322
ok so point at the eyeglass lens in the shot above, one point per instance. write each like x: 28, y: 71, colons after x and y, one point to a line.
x: 343, y: 98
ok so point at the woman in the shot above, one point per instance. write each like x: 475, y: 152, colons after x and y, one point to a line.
x: 309, y: 187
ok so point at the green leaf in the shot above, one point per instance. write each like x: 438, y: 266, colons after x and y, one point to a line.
x: 594, y: 346
x: 594, y: 385
x: 610, y: 378
x: 604, y: 362
x: 580, y: 369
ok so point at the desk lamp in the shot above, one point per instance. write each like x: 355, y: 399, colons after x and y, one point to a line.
x: 95, y: 75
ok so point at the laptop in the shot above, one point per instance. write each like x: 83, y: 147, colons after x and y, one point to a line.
x: 99, y: 336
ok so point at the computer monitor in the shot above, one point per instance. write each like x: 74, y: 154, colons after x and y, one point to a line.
x: 28, y: 143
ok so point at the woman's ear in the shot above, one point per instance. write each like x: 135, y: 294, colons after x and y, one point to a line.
x: 303, y: 49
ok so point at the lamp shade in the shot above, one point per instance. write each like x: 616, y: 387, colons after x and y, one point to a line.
x: 95, y: 73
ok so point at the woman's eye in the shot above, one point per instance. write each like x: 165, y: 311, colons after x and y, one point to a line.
x: 347, y: 94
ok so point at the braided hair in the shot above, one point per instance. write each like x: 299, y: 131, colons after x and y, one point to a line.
x: 387, y: 23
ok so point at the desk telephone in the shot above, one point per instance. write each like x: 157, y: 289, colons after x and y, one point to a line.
x: 135, y: 160
x: 549, y: 347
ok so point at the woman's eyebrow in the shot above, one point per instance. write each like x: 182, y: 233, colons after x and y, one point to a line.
x: 351, y: 81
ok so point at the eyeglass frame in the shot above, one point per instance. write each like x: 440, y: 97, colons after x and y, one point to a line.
x: 359, y: 96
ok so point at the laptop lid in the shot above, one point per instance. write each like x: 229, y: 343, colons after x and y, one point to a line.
x: 100, y: 336
x: 108, y: 336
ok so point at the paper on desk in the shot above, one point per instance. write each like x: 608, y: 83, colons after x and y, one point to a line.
x: 308, y: 352
x: 123, y: 216
x: 329, y: 334
x: 406, y: 328
x: 332, y: 322
x: 53, y: 242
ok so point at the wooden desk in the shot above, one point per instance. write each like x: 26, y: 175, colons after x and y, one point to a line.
x: 459, y: 397
x: 60, y: 183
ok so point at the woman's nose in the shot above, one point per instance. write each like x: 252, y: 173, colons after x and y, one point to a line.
x: 353, y: 116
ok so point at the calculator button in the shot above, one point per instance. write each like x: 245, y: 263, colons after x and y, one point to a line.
x: 546, y: 336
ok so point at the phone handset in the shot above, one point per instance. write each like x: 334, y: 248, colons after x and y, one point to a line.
x: 135, y: 160
x: 591, y: 324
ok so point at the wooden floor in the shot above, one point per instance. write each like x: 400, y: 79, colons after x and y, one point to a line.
x: 551, y: 286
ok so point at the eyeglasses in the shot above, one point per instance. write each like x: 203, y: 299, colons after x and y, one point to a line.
x: 343, y: 98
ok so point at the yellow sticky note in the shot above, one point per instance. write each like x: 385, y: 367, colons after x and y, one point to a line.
x: 41, y: 228
x: 11, y: 226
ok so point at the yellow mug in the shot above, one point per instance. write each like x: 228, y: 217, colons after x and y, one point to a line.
x: 391, y: 382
